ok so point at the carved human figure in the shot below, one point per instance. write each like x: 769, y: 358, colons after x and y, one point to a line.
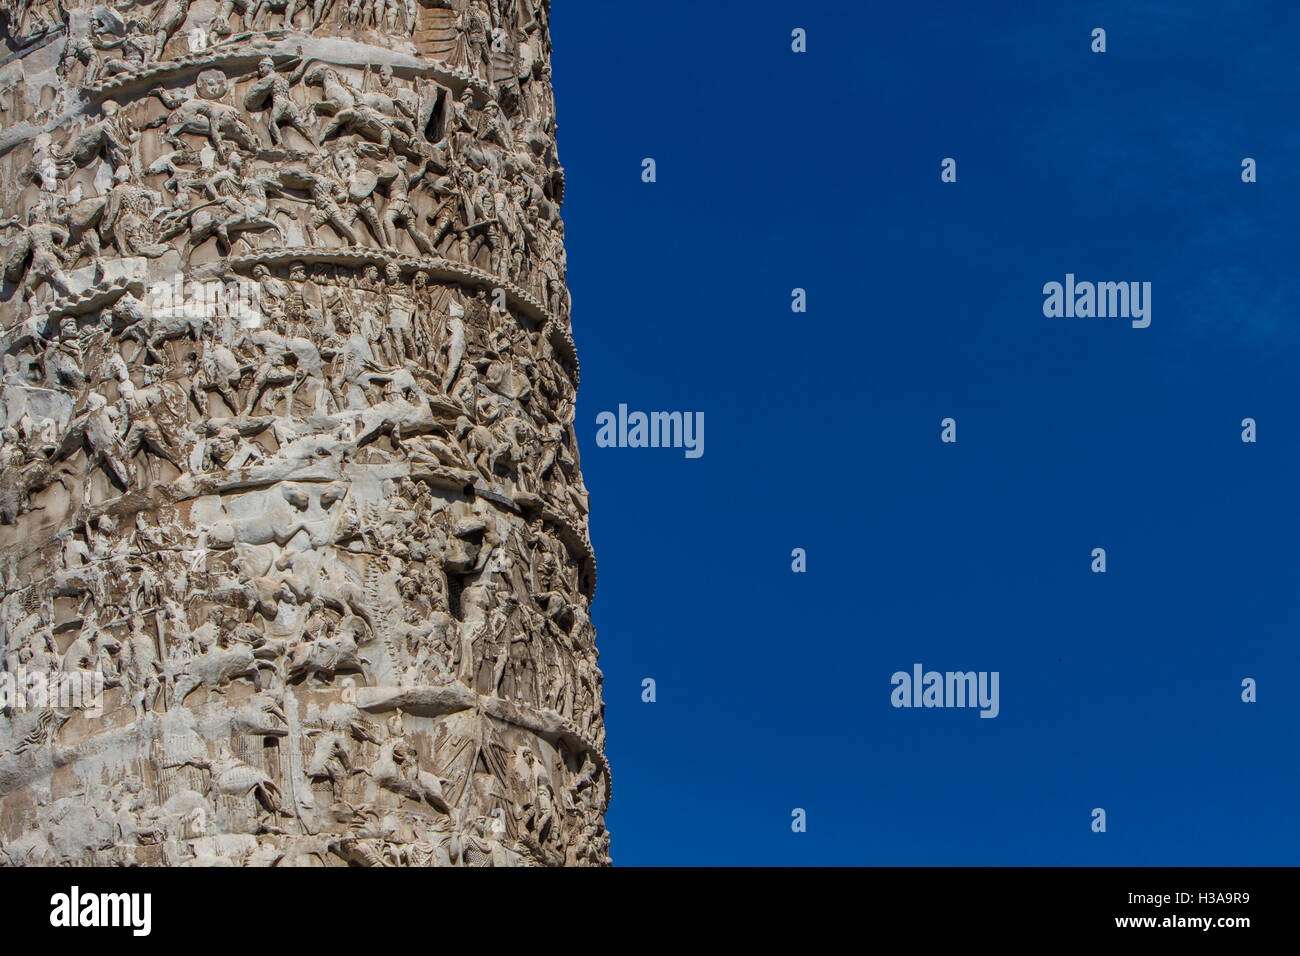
x: 475, y: 28
x: 207, y: 114
x: 272, y: 91
x: 37, y: 257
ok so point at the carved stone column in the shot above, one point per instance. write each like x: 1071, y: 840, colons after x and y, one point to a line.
x: 292, y: 526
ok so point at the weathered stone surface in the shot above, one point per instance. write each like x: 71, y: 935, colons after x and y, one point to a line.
x: 288, y: 453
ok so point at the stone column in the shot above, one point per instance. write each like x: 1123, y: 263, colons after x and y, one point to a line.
x: 293, y: 533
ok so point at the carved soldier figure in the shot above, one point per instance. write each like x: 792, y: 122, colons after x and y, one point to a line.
x: 495, y: 128
x: 135, y: 44
x: 326, y: 193
x: 451, y: 191
x: 406, y: 101
x: 166, y: 22
x: 481, y: 210
x: 463, y: 114
x: 475, y: 28
x: 102, y: 138
x: 272, y: 92
x: 400, y: 309
x: 38, y: 256
x: 144, y: 432
x: 81, y: 50
x: 505, y: 200
x: 398, y: 213
x: 244, y: 204
x: 62, y: 358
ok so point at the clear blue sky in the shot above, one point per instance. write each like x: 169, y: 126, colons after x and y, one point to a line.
x: 822, y: 170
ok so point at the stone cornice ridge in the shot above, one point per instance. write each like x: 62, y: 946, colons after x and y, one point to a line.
x: 95, y: 297
x: 98, y: 296
x: 562, y: 341
x: 575, y: 538
x: 245, y: 53
x: 439, y: 270
x: 438, y: 699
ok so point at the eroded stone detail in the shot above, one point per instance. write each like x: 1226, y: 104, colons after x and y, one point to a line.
x: 287, y: 451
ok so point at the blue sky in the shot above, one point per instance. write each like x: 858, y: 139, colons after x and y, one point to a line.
x: 821, y: 170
